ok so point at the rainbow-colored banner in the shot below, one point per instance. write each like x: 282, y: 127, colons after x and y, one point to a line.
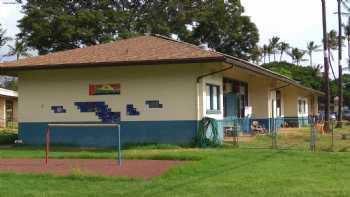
x: 104, y: 89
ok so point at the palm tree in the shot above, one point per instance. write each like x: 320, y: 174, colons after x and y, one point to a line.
x: 256, y: 55
x: 20, y: 49
x: 274, y: 42
x: 265, y: 52
x: 269, y: 51
x: 332, y: 41
x: 3, y: 38
x: 311, y: 48
x: 283, y: 47
x: 297, y: 55
x: 316, y: 70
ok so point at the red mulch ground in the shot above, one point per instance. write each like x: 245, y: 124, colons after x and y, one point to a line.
x: 96, y: 167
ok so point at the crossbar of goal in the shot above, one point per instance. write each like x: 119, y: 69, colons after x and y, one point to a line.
x: 73, y: 125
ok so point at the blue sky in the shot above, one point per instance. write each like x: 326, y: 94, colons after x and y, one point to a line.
x: 294, y: 21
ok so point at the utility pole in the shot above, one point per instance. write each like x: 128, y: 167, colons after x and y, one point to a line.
x: 326, y: 66
x: 340, y: 78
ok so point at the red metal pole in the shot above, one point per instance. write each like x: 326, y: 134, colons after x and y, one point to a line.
x: 47, y: 140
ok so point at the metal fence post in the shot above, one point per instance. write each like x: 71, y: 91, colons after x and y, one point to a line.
x: 332, y: 146
x: 313, y: 135
x: 235, y: 135
x: 274, y: 134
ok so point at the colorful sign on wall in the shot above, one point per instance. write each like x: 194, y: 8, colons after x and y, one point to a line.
x: 104, y: 89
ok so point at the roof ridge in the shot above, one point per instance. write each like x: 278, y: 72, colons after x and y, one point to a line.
x: 185, y: 43
x: 79, y: 48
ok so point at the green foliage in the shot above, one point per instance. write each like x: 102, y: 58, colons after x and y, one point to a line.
x: 310, y: 77
x: 55, y: 25
x: 9, y: 83
x: 346, y: 92
x: 7, y: 137
x: 297, y: 55
x: 306, y: 75
x: 20, y: 49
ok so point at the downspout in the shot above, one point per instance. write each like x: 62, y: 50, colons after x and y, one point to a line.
x: 198, y: 86
x: 274, y: 89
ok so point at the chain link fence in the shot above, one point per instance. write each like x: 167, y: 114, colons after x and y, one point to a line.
x: 306, y: 134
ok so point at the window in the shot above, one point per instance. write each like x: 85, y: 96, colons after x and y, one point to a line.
x: 278, y: 103
x: 235, y: 98
x: 213, y: 97
x: 302, y: 106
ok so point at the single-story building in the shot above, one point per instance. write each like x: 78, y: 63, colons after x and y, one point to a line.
x: 8, y: 108
x: 155, y: 87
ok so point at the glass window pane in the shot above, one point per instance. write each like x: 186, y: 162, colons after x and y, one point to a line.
x: 215, y: 98
x: 208, y: 97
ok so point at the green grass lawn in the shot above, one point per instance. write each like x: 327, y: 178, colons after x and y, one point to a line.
x: 223, y: 171
x: 213, y: 172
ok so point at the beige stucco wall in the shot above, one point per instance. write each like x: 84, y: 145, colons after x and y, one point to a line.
x: 259, y: 86
x: 173, y: 85
x: 291, y: 95
x: 261, y: 94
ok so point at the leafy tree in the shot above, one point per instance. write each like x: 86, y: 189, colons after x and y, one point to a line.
x: 55, y: 25
x: 10, y: 83
x: 221, y: 25
x: 310, y: 76
x: 283, y: 47
x: 297, y: 55
x: 20, y: 49
x: 306, y: 75
x: 311, y: 48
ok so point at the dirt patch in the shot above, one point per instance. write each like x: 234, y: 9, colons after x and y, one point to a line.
x: 130, y: 168
x: 243, y: 138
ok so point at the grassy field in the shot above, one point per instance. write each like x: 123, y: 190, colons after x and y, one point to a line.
x: 209, y: 172
x: 223, y: 171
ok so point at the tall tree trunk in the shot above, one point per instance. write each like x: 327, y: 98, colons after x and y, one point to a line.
x: 348, y: 51
x: 311, y: 59
x: 326, y: 66
x: 340, y: 68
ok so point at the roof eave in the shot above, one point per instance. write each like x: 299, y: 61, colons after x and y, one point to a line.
x: 5, y: 69
x: 260, y: 70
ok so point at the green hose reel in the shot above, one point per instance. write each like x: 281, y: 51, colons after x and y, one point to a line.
x: 203, y: 138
